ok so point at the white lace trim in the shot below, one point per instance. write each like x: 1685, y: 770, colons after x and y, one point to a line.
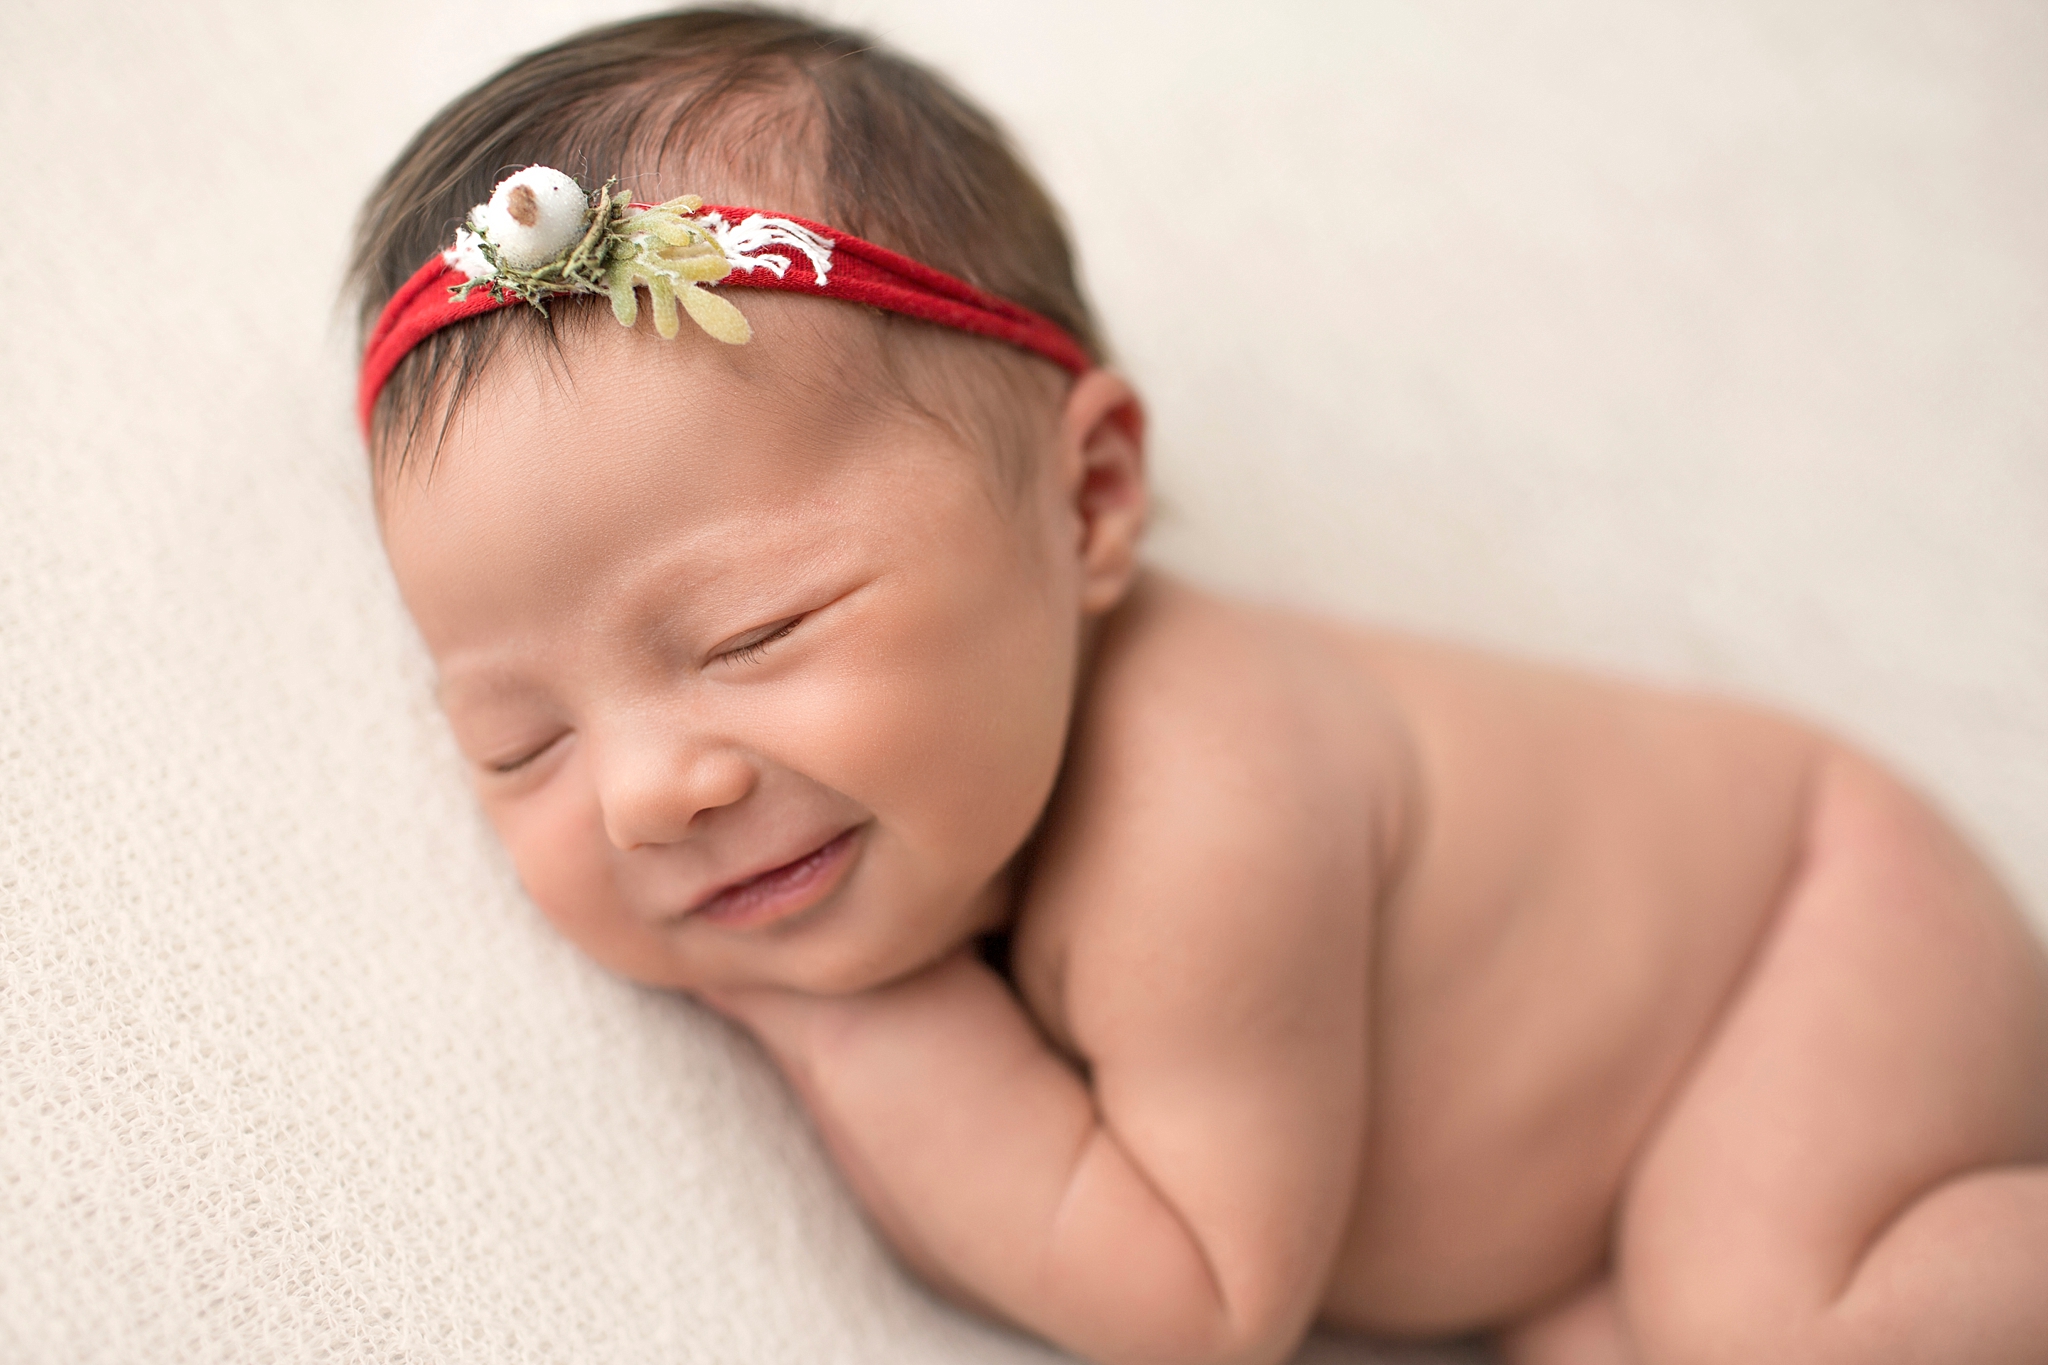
x: 746, y: 243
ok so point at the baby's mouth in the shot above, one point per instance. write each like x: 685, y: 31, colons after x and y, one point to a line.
x: 781, y: 891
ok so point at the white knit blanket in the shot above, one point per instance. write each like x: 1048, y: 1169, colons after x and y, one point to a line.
x: 1706, y: 343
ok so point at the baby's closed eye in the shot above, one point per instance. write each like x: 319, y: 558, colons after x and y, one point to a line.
x: 745, y: 649
x: 521, y: 758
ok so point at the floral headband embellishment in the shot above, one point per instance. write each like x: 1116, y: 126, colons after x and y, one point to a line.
x: 541, y: 235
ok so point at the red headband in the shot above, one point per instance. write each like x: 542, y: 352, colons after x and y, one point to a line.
x: 858, y: 272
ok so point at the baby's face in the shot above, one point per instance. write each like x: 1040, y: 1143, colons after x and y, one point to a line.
x: 757, y: 687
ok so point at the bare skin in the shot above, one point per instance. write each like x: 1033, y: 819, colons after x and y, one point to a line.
x: 1355, y: 979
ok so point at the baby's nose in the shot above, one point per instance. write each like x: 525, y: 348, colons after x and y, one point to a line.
x: 651, y: 795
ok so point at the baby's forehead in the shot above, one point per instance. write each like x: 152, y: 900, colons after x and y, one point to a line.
x: 619, y: 440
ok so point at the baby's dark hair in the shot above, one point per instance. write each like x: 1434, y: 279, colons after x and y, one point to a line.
x: 738, y: 105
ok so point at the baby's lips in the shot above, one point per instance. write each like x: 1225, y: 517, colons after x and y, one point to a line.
x: 787, y: 888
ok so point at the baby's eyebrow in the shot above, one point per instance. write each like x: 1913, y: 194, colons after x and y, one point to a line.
x: 485, y: 681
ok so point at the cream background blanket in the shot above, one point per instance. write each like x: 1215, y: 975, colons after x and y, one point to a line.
x: 1703, y: 342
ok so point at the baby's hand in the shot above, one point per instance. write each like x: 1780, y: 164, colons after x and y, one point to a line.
x: 985, y: 1158
x: 901, y: 1082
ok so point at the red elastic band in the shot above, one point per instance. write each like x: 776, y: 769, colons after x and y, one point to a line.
x: 860, y: 272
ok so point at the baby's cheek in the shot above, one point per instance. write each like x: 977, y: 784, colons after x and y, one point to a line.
x: 558, y: 847
x: 951, y: 751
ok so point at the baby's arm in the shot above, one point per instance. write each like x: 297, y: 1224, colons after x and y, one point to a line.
x: 1183, y: 1198
x: 980, y: 1153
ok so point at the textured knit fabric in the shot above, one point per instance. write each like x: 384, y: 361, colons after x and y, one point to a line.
x: 1715, y: 354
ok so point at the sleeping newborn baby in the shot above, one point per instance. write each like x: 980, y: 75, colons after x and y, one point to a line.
x: 1165, y: 974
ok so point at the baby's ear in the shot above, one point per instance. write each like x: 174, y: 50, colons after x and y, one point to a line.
x: 1102, y: 449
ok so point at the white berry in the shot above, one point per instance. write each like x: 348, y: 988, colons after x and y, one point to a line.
x: 533, y: 217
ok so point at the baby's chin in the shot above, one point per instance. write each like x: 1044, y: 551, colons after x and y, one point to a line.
x: 812, y: 954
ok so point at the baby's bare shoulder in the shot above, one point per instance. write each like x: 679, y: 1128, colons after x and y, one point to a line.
x: 1232, y: 800
x: 1185, y: 680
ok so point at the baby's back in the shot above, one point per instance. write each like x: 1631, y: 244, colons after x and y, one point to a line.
x: 1592, y: 866
x: 1574, y: 874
